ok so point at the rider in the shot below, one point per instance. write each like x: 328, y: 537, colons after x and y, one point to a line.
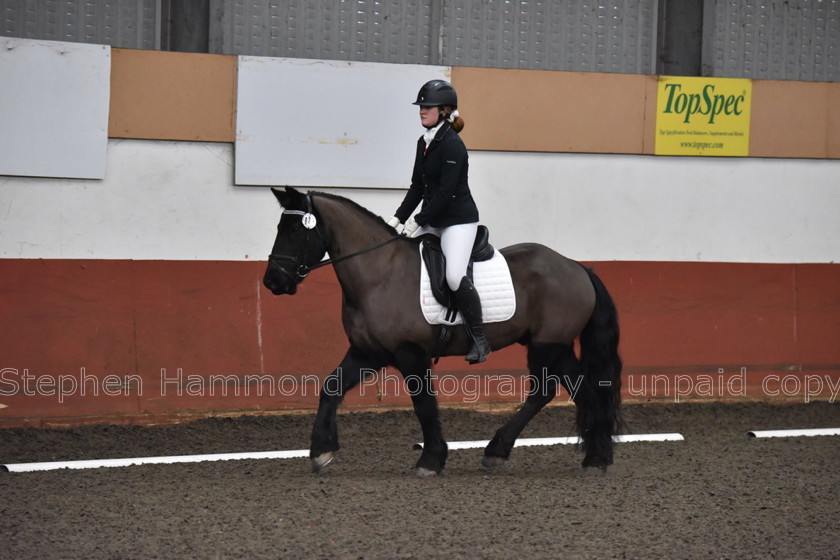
x: 448, y: 211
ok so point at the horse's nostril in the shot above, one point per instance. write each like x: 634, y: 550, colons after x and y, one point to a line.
x: 278, y: 285
x: 271, y: 284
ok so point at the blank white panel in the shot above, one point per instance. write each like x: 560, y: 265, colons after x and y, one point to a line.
x: 324, y: 123
x: 54, y: 108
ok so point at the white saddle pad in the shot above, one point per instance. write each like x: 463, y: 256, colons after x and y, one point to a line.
x: 493, y: 282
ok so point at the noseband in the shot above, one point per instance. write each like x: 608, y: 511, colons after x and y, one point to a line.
x: 309, y: 222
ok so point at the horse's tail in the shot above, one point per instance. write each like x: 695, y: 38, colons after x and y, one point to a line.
x: 599, y: 402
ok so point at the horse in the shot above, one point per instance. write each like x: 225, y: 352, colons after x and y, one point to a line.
x: 558, y: 302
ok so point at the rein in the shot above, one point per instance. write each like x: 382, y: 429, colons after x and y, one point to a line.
x: 309, y: 223
x: 356, y: 254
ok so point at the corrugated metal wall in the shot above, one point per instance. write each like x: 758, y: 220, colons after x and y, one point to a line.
x: 119, y: 23
x: 360, y: 30
x: 774, y: 40
x: 615, y: 36
x: 766, y: 39
x: 606, y: 36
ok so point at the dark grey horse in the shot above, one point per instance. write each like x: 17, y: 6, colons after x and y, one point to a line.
x: 557, y: 301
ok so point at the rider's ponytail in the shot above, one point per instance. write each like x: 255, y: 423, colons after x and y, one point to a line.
x: 455, y: 119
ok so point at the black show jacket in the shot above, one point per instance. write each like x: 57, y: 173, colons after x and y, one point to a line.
x: 440, y: 181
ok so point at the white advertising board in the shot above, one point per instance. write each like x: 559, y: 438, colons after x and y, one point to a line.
x: 320, y: 123
x: 54, y: 100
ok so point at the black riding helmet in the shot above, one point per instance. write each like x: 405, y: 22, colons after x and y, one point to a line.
x: 437, y: 93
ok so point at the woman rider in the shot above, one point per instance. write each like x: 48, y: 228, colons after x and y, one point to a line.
x: 439, y: 180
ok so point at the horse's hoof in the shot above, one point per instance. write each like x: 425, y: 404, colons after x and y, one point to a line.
x: 492, y: 462
x: 423, y: 472
x: 594, y: 470
x: 321, y: 461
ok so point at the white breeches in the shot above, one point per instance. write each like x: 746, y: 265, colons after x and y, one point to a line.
x: 457, y: 243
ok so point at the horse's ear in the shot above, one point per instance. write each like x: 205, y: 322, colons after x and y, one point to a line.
x: 281, y: 196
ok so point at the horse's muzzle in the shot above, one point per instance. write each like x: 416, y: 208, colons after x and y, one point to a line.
x: 279, y: 281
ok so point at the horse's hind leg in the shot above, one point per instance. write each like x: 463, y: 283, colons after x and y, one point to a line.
x: 415, y: 365
x: 353, y: 368
x: 547, y: 366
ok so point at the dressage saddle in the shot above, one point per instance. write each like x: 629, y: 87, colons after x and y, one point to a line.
x: 436, y: 264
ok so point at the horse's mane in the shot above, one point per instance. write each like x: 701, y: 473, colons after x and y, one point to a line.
x: 356, y: 206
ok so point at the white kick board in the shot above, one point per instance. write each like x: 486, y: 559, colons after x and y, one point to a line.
x: 322, y: 123
x: 54, y: 100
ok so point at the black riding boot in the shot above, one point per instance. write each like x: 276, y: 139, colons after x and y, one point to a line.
x: 469, y: 304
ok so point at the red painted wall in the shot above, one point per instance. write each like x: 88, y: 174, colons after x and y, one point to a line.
x: 138, y: 341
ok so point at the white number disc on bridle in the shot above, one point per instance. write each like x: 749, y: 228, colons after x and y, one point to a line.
x: 309, y: 220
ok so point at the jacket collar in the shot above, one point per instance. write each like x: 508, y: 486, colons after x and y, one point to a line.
x: 442, y: 129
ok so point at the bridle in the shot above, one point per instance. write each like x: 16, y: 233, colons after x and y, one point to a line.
x: 310, y: 223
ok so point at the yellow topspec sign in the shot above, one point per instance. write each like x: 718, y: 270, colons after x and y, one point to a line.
x: 703, y: 116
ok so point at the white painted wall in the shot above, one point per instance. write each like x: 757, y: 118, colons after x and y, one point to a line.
x: 177, y: 201
x: 159, y: 200
x: 623, y: 207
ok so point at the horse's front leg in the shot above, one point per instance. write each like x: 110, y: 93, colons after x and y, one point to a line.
x: 416, y: 367
x: 353, y: 368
